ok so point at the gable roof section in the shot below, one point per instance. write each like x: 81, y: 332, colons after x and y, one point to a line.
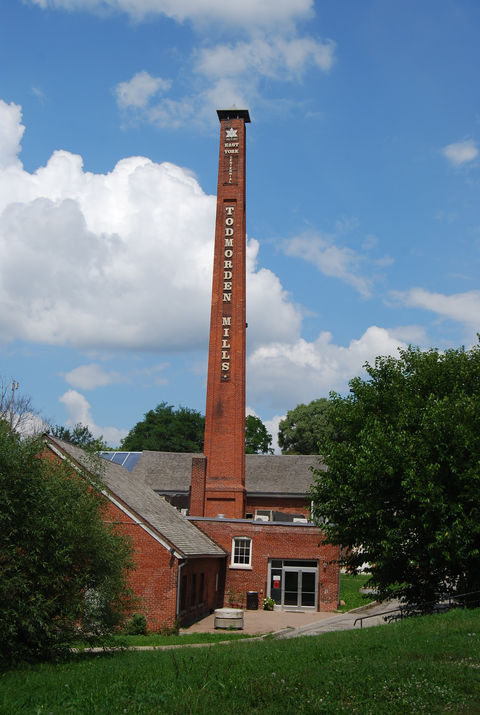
x: 275, y: 475
x: 151, y: 510
x: 280, y: 475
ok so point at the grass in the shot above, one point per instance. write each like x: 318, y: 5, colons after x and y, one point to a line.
x: 422, y: 665
x: 350, y: 591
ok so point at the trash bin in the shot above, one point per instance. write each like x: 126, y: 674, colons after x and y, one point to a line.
x: 252, y: 600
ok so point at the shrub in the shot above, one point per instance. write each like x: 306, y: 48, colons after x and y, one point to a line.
x: 137, y: 625
x: 63, y: 571
x: 268, y: 604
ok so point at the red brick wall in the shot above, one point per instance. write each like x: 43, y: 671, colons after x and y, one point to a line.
x: 197, y: 488
x: 201, y: 595
x: 279, y: 542
x: 154, y: 581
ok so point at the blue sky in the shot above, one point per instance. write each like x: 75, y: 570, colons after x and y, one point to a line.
x: 363, y: 182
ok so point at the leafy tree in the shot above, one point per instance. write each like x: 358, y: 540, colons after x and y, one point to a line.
x: 16, y: 409
x: 257, y: 439
x: 402, y: 490
x: 304, y: 427
x: 63, y: 571
x: 167, y: 430
x: 80, y: 436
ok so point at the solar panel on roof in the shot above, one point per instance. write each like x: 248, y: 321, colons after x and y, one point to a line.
x: 124, y: 459
x: 131, y: 460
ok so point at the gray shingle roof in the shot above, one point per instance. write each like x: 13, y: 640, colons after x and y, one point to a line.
x: 151, y: 508
x: 276, y: 475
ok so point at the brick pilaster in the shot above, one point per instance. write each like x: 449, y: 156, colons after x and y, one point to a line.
x: 197, y: 486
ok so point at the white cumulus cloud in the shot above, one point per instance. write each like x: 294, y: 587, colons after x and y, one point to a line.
x: 10, y: 135
x: 78, y: 410
x: 301, y: 371
x: 268, y: 56
x: 115, y: 261
x: 88, y: 377
x: 246, y: 13
x: 461, y: 307
x: 461, y: 152
x: 330, y: 259
x: 138, y: 91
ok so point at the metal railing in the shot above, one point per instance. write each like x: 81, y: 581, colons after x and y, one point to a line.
x: 446, y: 603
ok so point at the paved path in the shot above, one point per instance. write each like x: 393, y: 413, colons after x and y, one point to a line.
x: 291, y: 624
x: 341, y: 621
x: 280, y: 624
x: 261, y: 622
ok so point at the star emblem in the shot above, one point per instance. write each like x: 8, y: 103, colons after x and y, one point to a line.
x: 232, y: 133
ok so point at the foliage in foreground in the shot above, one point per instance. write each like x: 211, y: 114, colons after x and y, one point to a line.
x: 62, y: 570
x: 423, y: 665
x: 402, y: 490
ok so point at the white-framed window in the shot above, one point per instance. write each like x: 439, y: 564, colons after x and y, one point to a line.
x: 241, y: 552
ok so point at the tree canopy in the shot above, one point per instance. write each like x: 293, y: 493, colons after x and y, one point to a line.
x: 63, y: 571
x: 257, y: 438
x: 402, y: 490
x: 304, y: 426
x: 166, y: 429
x: 17, y: 409
x: 80, y: 436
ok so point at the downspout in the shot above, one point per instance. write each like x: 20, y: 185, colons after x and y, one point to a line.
x: 181, y: 564
x: 339, y: 568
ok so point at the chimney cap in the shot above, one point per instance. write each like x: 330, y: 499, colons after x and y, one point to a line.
x: 233, y: 113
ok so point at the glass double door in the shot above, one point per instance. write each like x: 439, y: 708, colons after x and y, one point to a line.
x: 294, y: 584
x: 299, y: 588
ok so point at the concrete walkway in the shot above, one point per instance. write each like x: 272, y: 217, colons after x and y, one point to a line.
x: 280, y: 624
x: 260, y: 622
x: 342, y: 621
x: 291, y: 624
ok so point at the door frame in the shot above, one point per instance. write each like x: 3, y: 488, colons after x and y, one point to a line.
x: 298, y: 568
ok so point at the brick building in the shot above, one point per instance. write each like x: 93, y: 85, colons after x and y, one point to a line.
x: 275, y: 551
x: 281, y: 549
x: 245, y: 523
x: 274, y: 484
x: 254, y: 507
x: 180, y: 572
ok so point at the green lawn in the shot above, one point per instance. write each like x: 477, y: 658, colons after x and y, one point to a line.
x: 422, y: 665
x: 350, y: 591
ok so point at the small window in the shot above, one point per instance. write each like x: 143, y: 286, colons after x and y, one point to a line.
x: 193, y: 589
x: 183, y: 594
x: 241, y: 552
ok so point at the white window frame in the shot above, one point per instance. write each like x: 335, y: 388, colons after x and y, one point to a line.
x: 244, y: 564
